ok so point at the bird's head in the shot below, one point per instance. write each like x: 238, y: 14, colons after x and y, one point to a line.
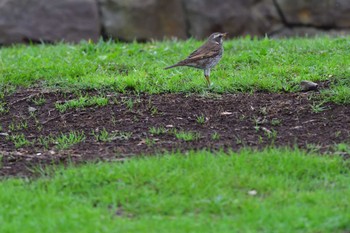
x: 217, y: 37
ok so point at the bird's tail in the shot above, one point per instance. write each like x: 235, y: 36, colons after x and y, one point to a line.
x: 169, y: 67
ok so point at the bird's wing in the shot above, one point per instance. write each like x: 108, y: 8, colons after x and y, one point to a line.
x: 208, y: 50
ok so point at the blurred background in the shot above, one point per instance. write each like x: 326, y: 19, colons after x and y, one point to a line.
x: 23, y: 21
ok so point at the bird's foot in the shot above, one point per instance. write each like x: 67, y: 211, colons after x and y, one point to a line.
x: 211, y: 85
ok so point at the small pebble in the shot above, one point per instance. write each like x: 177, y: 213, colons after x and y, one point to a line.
x: 252, y: 192
x: 308, y: 86
x: 31, y: 109
x: 226, y: 113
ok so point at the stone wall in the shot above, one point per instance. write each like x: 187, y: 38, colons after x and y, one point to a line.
x: 48, y: 20
x: 74, y: 20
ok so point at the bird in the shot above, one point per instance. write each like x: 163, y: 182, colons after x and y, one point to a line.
x: 206, y: 56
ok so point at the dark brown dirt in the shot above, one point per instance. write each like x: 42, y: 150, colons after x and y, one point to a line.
x: 255, y: 120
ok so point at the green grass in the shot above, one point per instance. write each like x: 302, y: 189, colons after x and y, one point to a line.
x: 187, y: 135
x: 215, y: 136
x: 104, y: 136
x: 65, y: 141
x: 201, y: 119
x: 19, y: 126
x: 157, y: 130
x: 3, y: 108
x: 19, y: 140
x: 268, y: 191
x: 247, y: 65
x: 39, y: 101
x: 81, y: 102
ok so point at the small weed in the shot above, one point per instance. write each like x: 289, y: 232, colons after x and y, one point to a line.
x: 131, y: 102
x: 104, y: 135
x: 276, y: 122
x: 215, y: 136
x: 32, y: 115
x: 313, y: 148
x: 19, y: 140
x: 115, y: 100
x: 242, y: 117
x: 239, y: 141
x: 259, y: 120
x: 318, y: 107
x: 187, y: 136
x: 45, y: 141
x: 124, y: 135
x: 201, y: 119
x: 39, y: 101
x: 150, y: 141
x: 82, y: 102
x: 136, y: 119
x: 114, y: 121
x: 16, y: 127
x: 22, y: 125
x: 342, y: 147
x: 3, y: 108
x: 172, y: 131
x: 154, y: 111
x: 12, y: 127
x: 263, y: 111
x: 271, y: 134
x: 337, y: 133
x: 39, y: 127
x: 257, y: 128
x: 65, y: 141
x: 157, y: 130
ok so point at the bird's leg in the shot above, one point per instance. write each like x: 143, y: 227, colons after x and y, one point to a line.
x: 208, y: 79
x: 207, y: 76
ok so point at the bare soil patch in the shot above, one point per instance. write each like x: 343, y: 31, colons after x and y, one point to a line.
x: 229, y: 121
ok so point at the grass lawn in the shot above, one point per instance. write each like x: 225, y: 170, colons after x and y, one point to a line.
x: 273, y: 190
x: 247, y: 65
x: 268, y: 191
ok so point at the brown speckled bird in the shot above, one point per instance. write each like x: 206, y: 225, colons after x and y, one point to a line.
x: 206, y: 56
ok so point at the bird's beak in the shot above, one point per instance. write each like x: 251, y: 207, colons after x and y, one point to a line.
x: 224, y: 34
